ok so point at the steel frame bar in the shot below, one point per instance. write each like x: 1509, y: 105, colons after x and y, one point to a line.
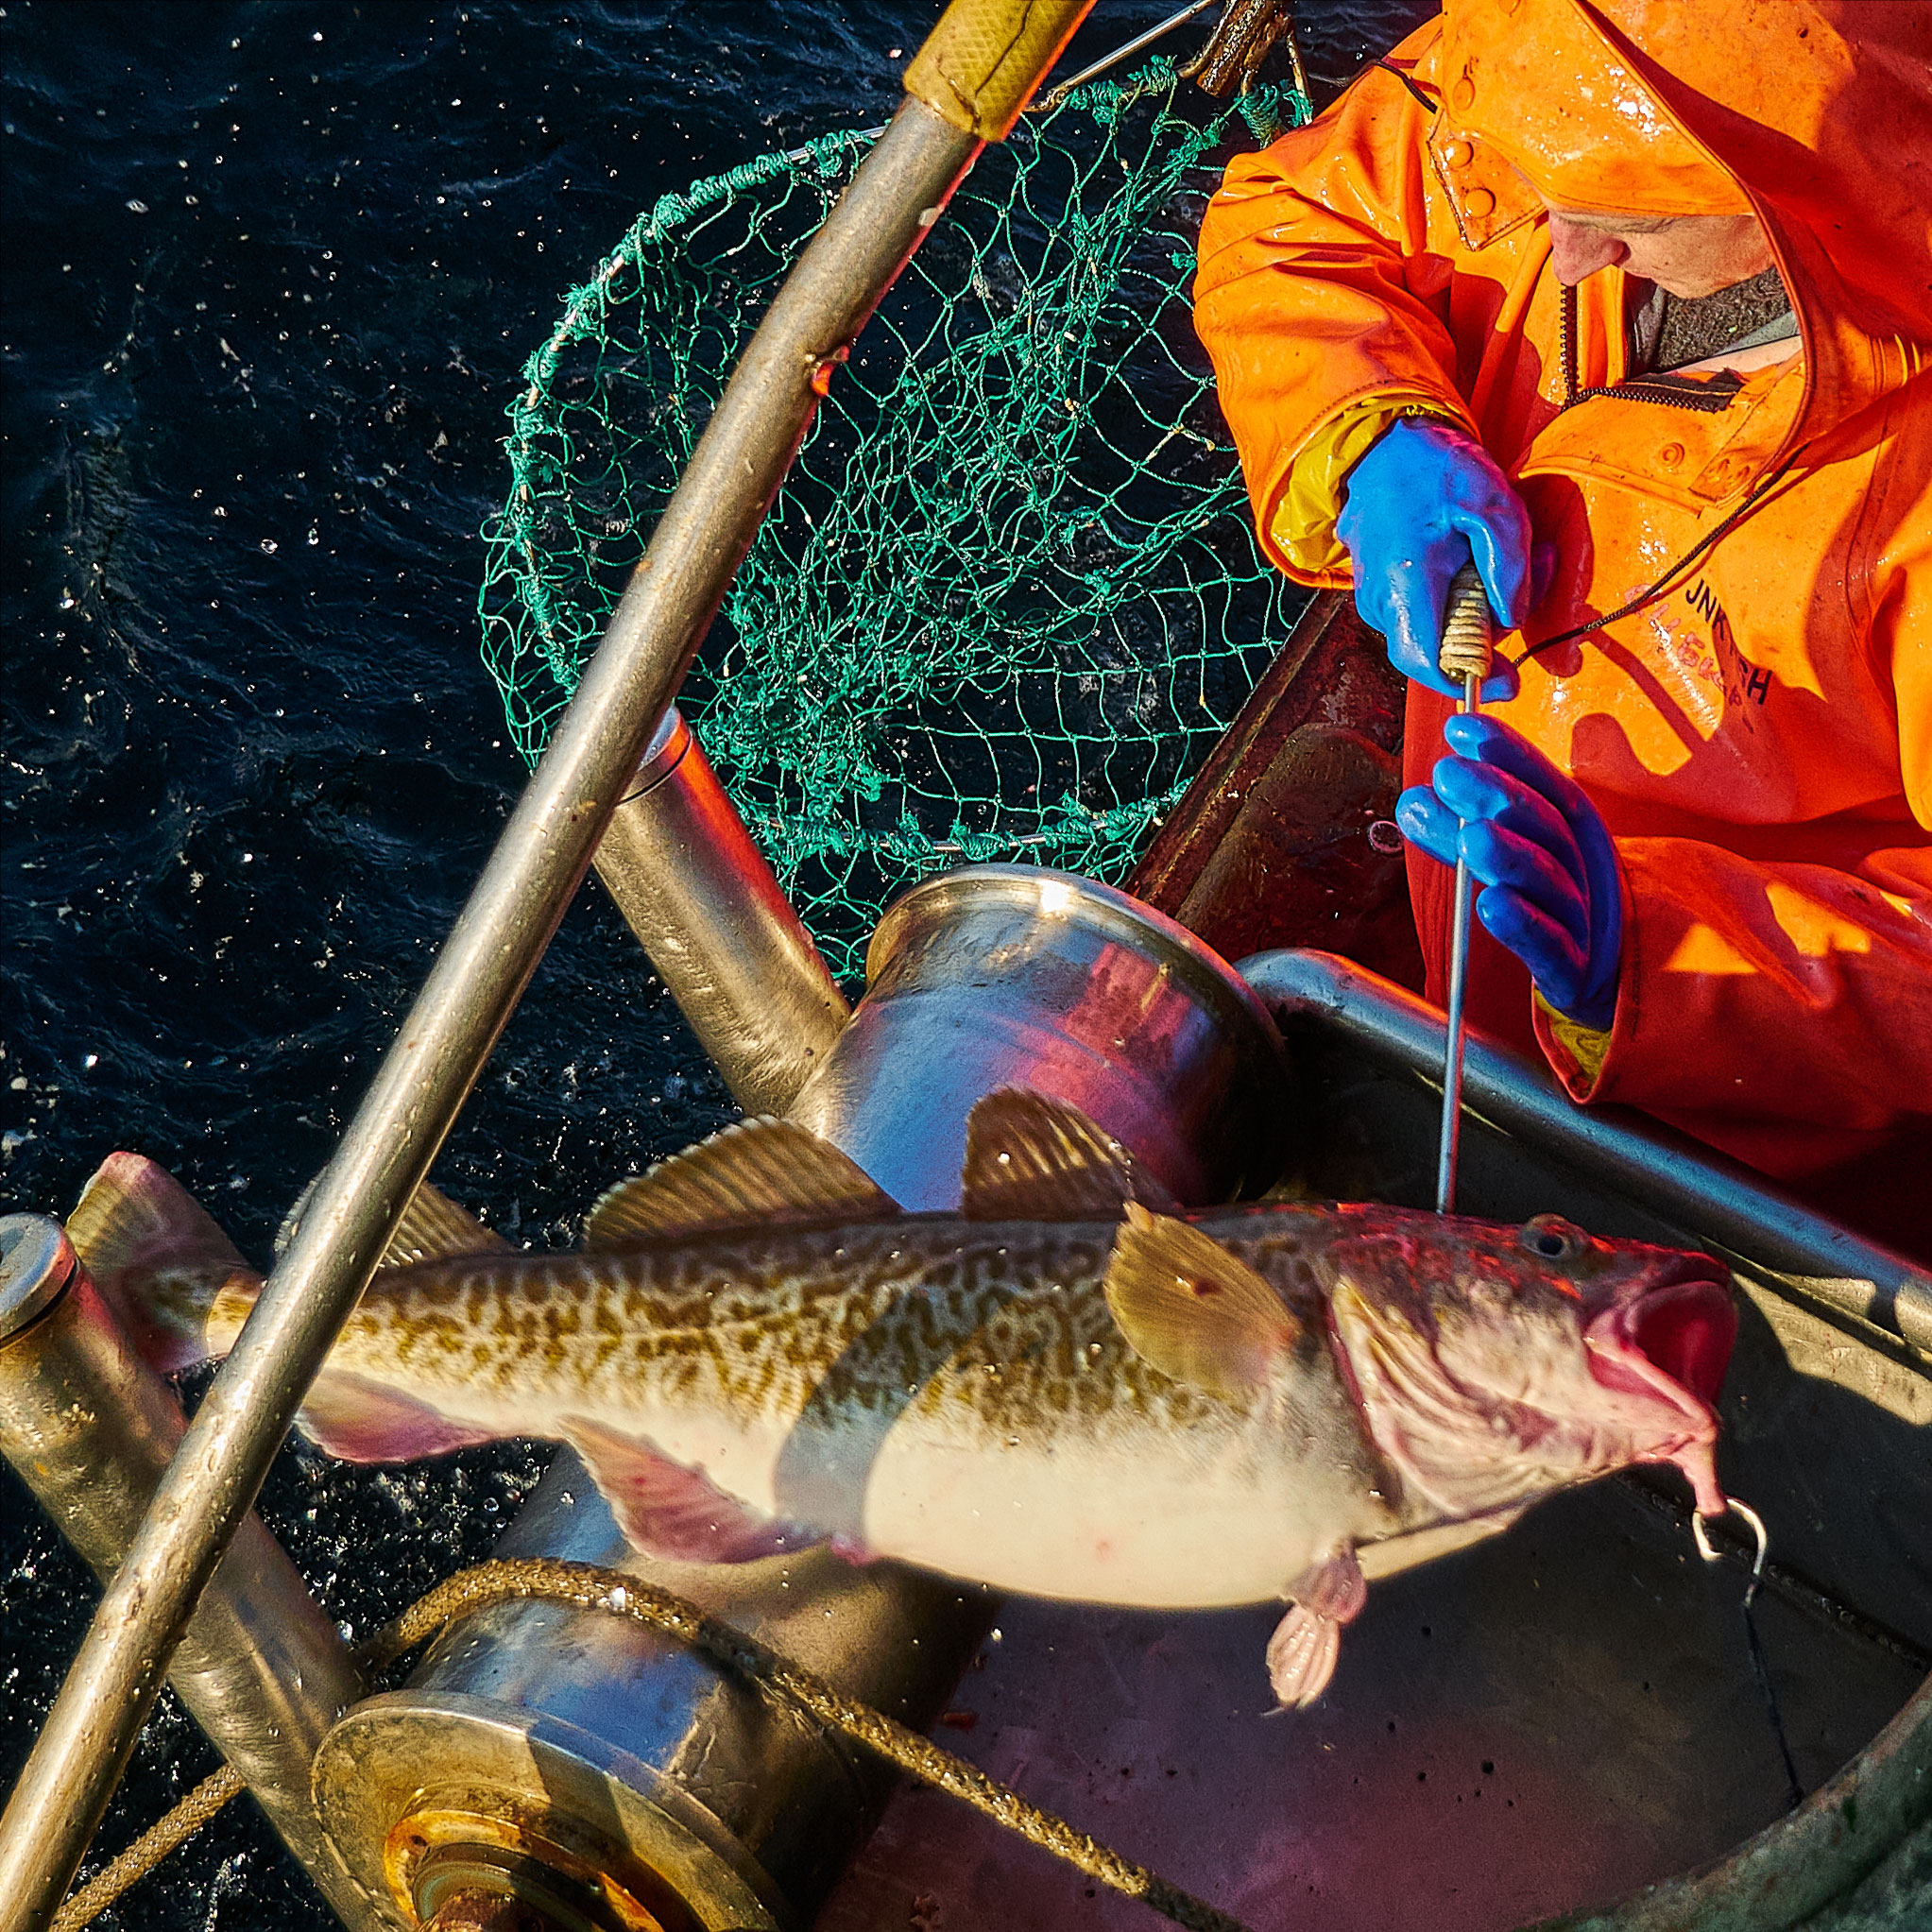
x: 709, y: 911
x: 1677, y: 1178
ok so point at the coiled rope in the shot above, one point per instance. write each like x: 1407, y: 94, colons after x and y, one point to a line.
x: 587, y: 1586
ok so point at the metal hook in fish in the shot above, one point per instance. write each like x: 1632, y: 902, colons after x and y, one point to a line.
x: 1710, y: 1552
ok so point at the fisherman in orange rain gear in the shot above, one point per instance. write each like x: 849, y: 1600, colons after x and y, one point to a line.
x: 1632, y: 300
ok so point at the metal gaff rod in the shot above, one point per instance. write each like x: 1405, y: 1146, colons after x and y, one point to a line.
x: 967, y: 84
x: 1468, y: 636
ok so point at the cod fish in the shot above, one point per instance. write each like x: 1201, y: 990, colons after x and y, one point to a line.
x: 1067, y: 1388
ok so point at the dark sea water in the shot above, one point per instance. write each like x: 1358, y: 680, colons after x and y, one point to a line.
x: 270, y: 272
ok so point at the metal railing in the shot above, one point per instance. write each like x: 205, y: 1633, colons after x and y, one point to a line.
x: 1679, y: 1179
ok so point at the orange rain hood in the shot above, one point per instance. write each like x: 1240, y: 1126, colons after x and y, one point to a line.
x: 1816, y: 113
x: 1541, y: 83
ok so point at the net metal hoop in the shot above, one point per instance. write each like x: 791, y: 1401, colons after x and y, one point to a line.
x: 1009, y: 594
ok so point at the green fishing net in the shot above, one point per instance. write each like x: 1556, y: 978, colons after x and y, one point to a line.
x: 1008, y: 596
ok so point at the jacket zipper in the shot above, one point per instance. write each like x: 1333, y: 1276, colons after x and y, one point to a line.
x: 1566, y: 355
x: 1706, y: 398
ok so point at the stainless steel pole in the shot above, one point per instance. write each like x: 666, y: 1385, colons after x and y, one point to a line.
x: 89, y: 1428
x: 895, y: 198
x: 696, y: 889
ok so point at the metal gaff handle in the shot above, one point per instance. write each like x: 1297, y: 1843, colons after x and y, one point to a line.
x: 1468, y: 641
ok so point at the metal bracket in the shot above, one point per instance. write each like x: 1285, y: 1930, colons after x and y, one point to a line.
x: 1246, y: 37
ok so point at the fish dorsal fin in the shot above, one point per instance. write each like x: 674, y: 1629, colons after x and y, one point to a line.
x: 434, y: 1228
x: 1032, y: 1158
x: 1193, y: 1309
x: 754, y: 1174
x: 292, y: 1221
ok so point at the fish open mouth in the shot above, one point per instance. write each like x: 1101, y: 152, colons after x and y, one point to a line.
x: 1687, y: 1328
x: 1672, y: 1343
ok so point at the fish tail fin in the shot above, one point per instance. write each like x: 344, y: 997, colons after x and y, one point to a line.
x: 177, y: 1284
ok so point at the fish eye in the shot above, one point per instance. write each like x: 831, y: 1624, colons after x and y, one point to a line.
x: 1553, y: 1237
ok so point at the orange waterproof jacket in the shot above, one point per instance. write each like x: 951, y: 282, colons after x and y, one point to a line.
x: 1757, y: 733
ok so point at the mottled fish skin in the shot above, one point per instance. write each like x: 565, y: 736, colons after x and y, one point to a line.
x: 975, y: 1365
x: 1141, y: 1408
x: 959, y: 1394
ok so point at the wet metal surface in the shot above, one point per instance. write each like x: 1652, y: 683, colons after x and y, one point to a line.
x: 1016, y: 975
x: 992, y: 976
x: 704, y: 903
x: 1274, y: 844
x: 88, y: 1426
x: 1542, y: 1721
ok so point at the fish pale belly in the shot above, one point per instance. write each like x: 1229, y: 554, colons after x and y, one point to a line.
x: 1018, y: 1441
x: 1137, y: 1525
x: 1047, y: 1457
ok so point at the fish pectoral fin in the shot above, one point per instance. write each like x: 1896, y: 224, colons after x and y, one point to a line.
x: 754, y: 1174
x: 156, y: 1257
x: 669, y: 1509
x: 1303, y: 1652
x: 1032, y: 1158
x: 356, y: 1419
x: 1193, y: 1309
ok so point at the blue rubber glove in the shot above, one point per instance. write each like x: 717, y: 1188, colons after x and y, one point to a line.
x: 1552, y: 891
x: 1424, y: 501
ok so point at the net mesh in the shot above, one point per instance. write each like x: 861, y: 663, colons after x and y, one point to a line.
x: 1008, y: 595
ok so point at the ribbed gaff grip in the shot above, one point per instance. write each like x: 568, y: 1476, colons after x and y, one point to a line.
x: 980, y: 64
x: 1468, y: 629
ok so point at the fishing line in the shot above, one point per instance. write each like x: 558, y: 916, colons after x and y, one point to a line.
x: 1667, y: 580
x: 1760, y: 1665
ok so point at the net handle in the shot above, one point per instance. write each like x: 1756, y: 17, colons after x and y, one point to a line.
x: 980, y: 64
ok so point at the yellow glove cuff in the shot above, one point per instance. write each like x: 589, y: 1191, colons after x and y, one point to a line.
x: 1303, y: 525
x: 1585, y: 1045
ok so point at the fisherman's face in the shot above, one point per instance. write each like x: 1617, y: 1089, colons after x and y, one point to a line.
x: 1686, y: 254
